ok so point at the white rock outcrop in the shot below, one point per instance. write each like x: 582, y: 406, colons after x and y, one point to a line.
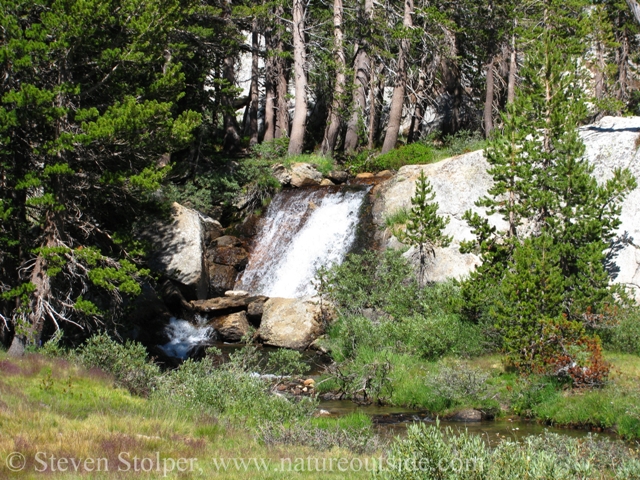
x: 180, y: 249
x: 459, y: 182
x: 613, y: 143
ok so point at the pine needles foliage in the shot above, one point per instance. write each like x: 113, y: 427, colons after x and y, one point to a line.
x: 543, y: 278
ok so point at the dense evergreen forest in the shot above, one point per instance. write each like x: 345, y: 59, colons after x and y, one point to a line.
x: 110, y: 109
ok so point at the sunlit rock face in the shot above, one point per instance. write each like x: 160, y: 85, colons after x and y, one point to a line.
x: 460, y: 181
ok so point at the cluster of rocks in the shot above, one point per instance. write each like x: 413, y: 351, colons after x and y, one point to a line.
x: 298, y: 387
x: 200, y: 265
x: 307, y: 175
x: 279, y: 322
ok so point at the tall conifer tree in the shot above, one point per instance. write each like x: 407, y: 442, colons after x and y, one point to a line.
x: 546, y: 272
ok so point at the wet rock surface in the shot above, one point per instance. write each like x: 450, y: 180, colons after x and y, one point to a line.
x: 221, y: 279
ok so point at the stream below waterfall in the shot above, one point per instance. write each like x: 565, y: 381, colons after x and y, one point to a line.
x: 390, y: 421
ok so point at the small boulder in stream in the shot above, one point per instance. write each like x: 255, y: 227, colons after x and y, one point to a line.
x: 290, y: 323
x: 232, y: 327
x: 467, y: 415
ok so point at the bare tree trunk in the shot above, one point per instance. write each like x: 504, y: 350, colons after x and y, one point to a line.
x: 599, y: 73
x: 418, y: 112
x: 635, y: 9
x: 270, y: 97
x: 253, y: 106
x: 513, y: 66
x: 362, y: 76
x: 451, y: 77
x: 282, y: 113
x: 373, y: 107
x: 31, y: 329
x: 622, y: 58
x: 397, y: 100
x: 282, y: 87
x: 334, y: 122
x: 230, y: 124
x: 231, y: 127
x: 299, y: 123
x: 488, y: 102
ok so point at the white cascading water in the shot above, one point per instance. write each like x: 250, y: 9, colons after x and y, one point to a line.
x: 184, y: 336
x: 302, y: 231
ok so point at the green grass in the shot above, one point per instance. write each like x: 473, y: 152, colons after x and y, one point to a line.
x: 323, y: 164
x: 397, y: 218
x: 419, y: 153
x: 441, y: 387
x: 54, y: 406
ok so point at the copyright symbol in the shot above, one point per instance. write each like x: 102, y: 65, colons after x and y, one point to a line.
x: 15, y: 461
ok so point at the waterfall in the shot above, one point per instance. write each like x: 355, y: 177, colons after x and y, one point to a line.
x: 185, y: 336
x: 302, y: 230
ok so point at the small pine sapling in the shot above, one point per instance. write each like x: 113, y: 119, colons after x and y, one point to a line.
x: 425, y: 227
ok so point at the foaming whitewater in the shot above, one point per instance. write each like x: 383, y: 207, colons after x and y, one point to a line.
x: 302, y: 231
x: 184, y: 336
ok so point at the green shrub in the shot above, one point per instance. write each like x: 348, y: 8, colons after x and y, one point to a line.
x: 459, y: 384
x: 398, y: 218
x: 412, y: 154
x: 370, y: 281
x: 323, y: 164
x: 366, y: 378
x: 228, y: 391
x: 625, y: 336
x: 128, y: 363
x: 286, y: 362
x: 53, y: 347
x: 273, y: 150
x: 205, y: 191
x: 533, y: 392
x: 461, y: 142
x: 429, y: 336
x: 430, y: 452
x: 353, y: 432
x: 360, y: 162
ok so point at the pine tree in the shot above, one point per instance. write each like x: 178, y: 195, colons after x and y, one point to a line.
x: 88, y: 108
x: 550, y: 282
x: 425, y: 227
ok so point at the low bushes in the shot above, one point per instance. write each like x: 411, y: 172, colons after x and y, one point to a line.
x: 426, y: 151
x: 229, y: 391
x: 353, y: 432
x: 127, y: 363
x: 429, y: 452
x: 624, y: 337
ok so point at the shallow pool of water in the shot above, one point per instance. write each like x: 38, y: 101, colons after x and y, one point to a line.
x: 393, y: 421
